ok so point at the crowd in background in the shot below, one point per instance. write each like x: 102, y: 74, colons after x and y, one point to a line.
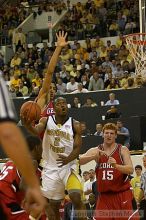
x: 92, y: 66
x: 97, y: 17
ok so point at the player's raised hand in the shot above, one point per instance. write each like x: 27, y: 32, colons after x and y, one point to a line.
x: 61, y: 39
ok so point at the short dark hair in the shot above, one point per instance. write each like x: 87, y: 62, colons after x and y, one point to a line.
x: 138, y: 167
x: 58, y: 98
x: 32, y: 142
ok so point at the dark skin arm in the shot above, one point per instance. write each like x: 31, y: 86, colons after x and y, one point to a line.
x: 63, y: 159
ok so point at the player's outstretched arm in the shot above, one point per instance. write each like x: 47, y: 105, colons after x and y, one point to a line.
x: 91, y: 154
x: 127, y: 167
x: 61, y: 42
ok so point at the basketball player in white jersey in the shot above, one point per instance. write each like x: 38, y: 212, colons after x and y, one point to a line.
x: 61, y: 147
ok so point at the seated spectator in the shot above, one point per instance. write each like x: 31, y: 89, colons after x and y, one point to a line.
x: 72, y: 85
x: 80, y: 89
x: 23, y: 89
x: 123, y: 132
x: 113, y: 85
x: 84, y: 130
x: 95, y: 82
x: 130, y: 83
x: 85, y: 176
x: 15, y: 81
x: 112, y: 100
x: 76, y: 103
x: 88, y: 184
x: 113, y: 28
x: 61, y: 86
x: 12, y: 91
x: 18, y: 93
x: 112, y: 113
x: 85, y: 81
x: 90, y: 103
x: 98, y: 130
x: 16, y: 60
x: 90, y: 206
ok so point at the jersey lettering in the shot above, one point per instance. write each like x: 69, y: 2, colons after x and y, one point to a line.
x: 107, y: 175
x: 5, y: 171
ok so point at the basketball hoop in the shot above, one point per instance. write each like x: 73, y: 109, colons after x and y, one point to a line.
x: 136, y: 44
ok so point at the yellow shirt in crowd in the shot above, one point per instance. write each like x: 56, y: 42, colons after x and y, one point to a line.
x: 135, y: 183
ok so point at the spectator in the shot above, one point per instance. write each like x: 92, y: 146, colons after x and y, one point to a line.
x: 142, y: 195
x: 16, y: 60
x: 135, y: 182
x: 72, y: 85
x: 98, y: 130
x: 90, y: 206
x: 23, y: 89
x: 112, y: 113
x: 112, y: 100
x: 19, y: 39
x: 80, y: 89
x: 95, y: 83
x: 61, y: 86
x: 76, y: 103
x: 15, y: 81
x: 122, y: 131
x: 113, y: 84
x: 85, y: 131
x: 90, y: 103
x: 88, y: 184
x: 85, y: 176
x: 85, y: 81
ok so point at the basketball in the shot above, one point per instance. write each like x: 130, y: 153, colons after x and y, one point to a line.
x: 30, y: 110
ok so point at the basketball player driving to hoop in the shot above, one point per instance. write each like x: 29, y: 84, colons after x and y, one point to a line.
x: 61, y: 147
x: 113, y: 167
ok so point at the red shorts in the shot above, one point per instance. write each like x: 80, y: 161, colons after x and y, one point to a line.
x: 115, y: 206
x: 13, y: 210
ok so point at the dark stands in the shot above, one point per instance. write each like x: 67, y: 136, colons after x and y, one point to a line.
x: 132, y: 106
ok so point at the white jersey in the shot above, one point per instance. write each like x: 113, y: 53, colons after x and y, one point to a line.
x: 57, y: 139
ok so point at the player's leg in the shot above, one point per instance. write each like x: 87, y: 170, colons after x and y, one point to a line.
x: 75, y: 191
x: 53, y: 189
x: 103, y: 208
x: 124, y: 200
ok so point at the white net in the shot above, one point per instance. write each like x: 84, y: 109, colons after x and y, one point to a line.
x: 136, y: 44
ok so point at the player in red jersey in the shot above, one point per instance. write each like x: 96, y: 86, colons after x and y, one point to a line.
x: 113, y: 167
x: 48, y: 90
x: 12, y: 188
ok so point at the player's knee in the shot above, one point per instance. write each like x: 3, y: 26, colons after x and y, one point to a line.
x: 75, y: 198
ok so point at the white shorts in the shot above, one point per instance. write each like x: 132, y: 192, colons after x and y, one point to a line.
x: 54, y: 183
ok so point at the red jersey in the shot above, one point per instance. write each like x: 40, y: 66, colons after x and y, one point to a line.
x: 10, y: 180
x: 110, y: 179
x: 49, y: 110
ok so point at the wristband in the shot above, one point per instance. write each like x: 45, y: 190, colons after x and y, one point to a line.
x: 32, y: 218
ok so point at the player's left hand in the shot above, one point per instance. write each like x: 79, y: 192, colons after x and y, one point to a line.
x: 112, y: 161
x: 62, y: 160
x: 61, y: 39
